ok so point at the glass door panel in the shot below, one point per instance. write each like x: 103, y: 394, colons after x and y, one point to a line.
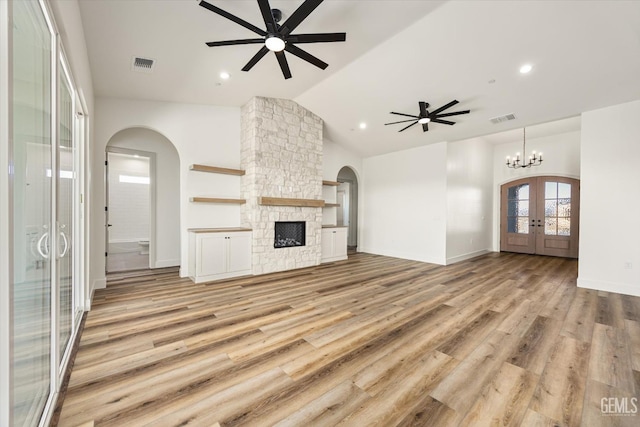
x: 518, y: 209
x: 65, y: 208
x: 32, y: 164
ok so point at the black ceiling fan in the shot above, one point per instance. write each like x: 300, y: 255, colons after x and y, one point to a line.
x: 278, y: 38
x: 425, y: 117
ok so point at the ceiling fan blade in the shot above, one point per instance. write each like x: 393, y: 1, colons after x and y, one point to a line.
x: 233, y: 18
x: 423, y: 108
x: 284, y: 65
x: 408, y: 126
x: 401, y: 121
x: 444, y: 122
x: 298, y: 16
x: 267, y: 15
x: 402, y: 114
x: 257, y: 57
x: 294, y: 50
x: 317, y: 38
x: 444, y: 107
x: 234, y: 42
x: 457, y: 113
x: 425, y: 127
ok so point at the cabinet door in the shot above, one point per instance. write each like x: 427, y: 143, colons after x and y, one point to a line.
x: 327, y: 243
x: 340, y: 242
x: 211, y: 254
x: 239, y: 252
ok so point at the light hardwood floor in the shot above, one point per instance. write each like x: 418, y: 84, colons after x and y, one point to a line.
x: 503, y: 339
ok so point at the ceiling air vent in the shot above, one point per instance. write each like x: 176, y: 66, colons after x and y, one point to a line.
x: 144, y: 65
x: 505, y: 118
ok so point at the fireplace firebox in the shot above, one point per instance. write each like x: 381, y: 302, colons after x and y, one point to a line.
x: 289, y: 234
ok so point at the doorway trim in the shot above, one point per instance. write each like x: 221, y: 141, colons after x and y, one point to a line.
x: 152, y: 198
x: 354, y: 204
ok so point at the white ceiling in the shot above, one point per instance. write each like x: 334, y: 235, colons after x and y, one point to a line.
x: 586, y: 55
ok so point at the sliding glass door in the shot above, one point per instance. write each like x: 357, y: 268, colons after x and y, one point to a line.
x: 33, y: 43
x: 46, y: 137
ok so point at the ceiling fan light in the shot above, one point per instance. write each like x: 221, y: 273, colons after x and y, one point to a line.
x: 424, y: 120
x: 274, y: 43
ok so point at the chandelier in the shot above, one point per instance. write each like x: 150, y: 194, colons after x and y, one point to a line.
x: 534, y: 159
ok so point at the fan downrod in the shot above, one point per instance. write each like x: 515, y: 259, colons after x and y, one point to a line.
x: 277, y: 15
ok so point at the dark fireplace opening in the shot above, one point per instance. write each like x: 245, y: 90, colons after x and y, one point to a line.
x: 289, y: 234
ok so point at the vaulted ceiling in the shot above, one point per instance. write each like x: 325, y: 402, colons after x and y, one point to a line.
x: 585, y: 55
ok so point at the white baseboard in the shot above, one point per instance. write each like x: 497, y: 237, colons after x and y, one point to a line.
x: 465, y: 257
x: 618, y: 288
x: 99, y: 284
x: 404, y: 255
x: 130, y: 240
x: 167, y: 263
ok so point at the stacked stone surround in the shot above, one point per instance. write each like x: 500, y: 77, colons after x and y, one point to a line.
x: 281, y: 153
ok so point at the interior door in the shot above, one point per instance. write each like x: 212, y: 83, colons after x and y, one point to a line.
x: 540, y: 215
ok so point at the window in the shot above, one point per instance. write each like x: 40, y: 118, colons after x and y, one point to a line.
x: 557, y: 209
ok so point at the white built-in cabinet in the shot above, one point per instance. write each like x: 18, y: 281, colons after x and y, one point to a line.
x: 216, y: 254
x: 334, y: 244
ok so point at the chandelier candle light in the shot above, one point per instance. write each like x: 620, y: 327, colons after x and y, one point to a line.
x: 534, y: 159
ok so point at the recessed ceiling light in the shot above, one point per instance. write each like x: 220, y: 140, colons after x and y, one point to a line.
x: 224, y: 75
x: 363, y: 125
x: 424, y: 120
x: 526, y: 68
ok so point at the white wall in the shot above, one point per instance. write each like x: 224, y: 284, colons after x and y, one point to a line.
x: 164, y: 249
x: 469, y: 199
x: 610, y: 208
x: 201, y: 134
x: 403, y: 200
x: 561, y: 158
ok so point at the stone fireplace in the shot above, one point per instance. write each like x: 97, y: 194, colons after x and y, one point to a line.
x: 281, y: 153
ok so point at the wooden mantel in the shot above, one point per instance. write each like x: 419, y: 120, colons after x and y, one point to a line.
x: 301, y: 203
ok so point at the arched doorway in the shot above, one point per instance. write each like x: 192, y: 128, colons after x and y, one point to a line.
x: 143, y: 201
x: 540, y: 215
x: 347, y: 198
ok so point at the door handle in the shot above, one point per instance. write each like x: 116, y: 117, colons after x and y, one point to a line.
x: 43, y: 246
x: 109, y: 225
x: 66, y: 244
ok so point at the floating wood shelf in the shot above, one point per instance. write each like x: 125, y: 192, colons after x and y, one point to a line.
x: 217, y: 200
x: 332, y: 205
x: 302, y: 203
x: 217, y: 230
x: 331, y: 183
x: 215, y: 169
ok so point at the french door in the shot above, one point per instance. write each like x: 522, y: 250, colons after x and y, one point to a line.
x: 540, y: 215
